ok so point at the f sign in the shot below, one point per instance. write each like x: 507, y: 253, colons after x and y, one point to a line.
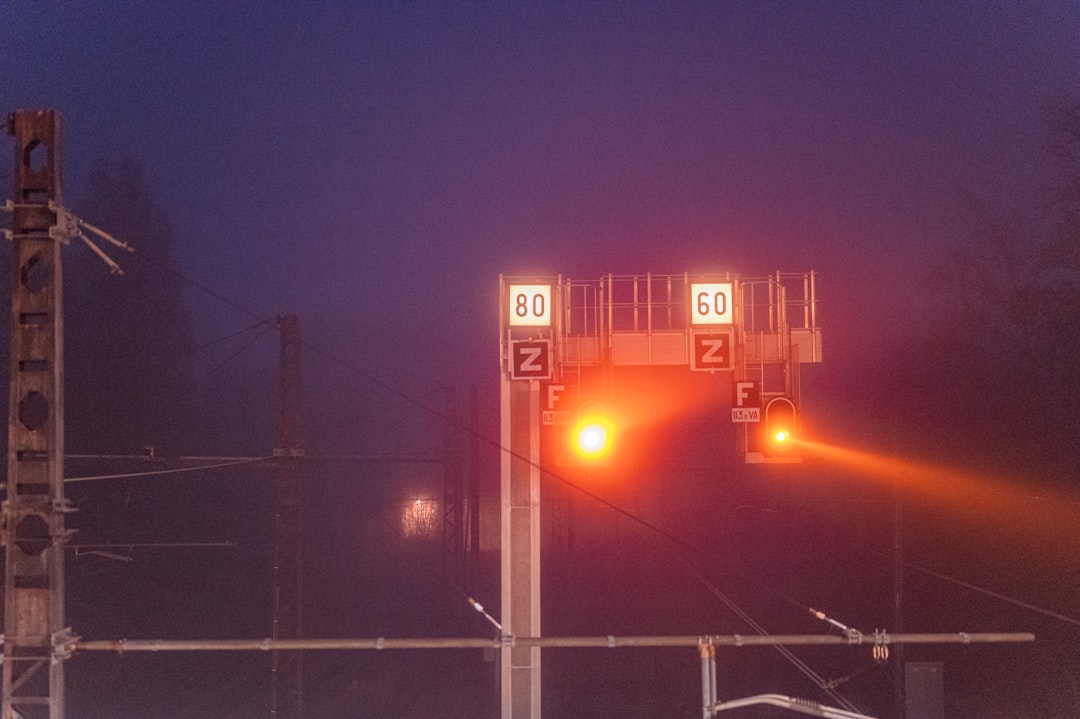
x: 553, y: 392
x: 746, y: 395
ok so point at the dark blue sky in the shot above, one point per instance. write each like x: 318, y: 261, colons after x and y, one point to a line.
x: 366, y: 164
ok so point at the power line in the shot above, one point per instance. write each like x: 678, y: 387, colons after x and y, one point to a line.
x: 799, y: 664
x: 203, y: 288
x: 233, y: 335
x: 983, y: 590
x: 266, y: 328
x: 167, y: 471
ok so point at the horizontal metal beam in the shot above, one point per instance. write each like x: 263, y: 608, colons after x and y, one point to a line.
x: 184, y: 459
x: 609, y: 642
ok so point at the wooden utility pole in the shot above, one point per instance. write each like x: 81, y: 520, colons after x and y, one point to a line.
x: 35, y: 639
x: 287, y: 689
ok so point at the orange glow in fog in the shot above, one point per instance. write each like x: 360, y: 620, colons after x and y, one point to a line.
x: 1042, y: 513
x: 592, y: 437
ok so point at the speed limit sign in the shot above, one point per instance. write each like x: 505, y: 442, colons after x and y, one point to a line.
x: 711, y: 303
x: 530, y: 306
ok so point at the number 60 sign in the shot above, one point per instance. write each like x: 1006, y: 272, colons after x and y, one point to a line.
x: 710, y: 304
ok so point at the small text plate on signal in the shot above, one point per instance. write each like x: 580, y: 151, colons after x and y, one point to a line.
x: 745, y: 414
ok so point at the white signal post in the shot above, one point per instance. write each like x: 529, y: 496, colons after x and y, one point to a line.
x: 527, y: 319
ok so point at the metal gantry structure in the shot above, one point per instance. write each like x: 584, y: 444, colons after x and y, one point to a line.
x: 36, y: 641
x: 556, y: 332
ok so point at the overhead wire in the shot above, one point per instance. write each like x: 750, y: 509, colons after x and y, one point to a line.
x: 179, y: 470
x: 798, y: 663
x: 266, y: 328
x: 212, y: 293
x: 1000, y: 596
x: 162, y: 264
x: 174, y: 342
x: 233, y: 335
x: 982, y: 590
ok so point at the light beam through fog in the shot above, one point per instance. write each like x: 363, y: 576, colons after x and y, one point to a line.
x: 1042, y: 516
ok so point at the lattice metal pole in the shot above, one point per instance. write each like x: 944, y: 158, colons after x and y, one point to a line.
x: 287, y: 689
x: 35, y: 639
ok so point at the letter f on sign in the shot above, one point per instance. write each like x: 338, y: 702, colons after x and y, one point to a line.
x: 743, y: 391
x: 553, y: 391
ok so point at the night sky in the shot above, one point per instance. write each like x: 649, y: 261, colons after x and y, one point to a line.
x: 374, y: 167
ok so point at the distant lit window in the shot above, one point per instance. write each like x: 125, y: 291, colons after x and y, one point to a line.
x: 419, y: 518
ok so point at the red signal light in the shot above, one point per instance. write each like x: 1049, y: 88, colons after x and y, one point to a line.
x: 592, y: 437
x: 780, y: 424
x: 588, y: 440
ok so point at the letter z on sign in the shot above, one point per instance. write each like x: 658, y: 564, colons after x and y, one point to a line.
x: 711, y: 351
x: 530, y: 359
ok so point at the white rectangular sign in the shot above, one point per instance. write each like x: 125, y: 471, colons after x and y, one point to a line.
x: 711, y: 303
x: 530, y: 306
x: 745, y: 414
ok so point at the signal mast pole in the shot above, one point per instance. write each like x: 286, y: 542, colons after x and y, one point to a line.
x: 526, y: 311
x: 35, y: 639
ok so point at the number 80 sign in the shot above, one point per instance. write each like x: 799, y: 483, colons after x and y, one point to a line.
x: 530, y: 306
x: 710, y: 304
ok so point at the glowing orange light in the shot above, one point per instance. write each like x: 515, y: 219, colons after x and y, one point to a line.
x: 780, y: 423
x: 592, y: 437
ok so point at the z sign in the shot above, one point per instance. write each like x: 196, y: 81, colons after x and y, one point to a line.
x: 711, y: 351
x: 530, y: 359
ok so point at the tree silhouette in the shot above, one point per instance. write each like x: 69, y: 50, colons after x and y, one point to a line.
x: 1007, y: 334
x: 129, y: 340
